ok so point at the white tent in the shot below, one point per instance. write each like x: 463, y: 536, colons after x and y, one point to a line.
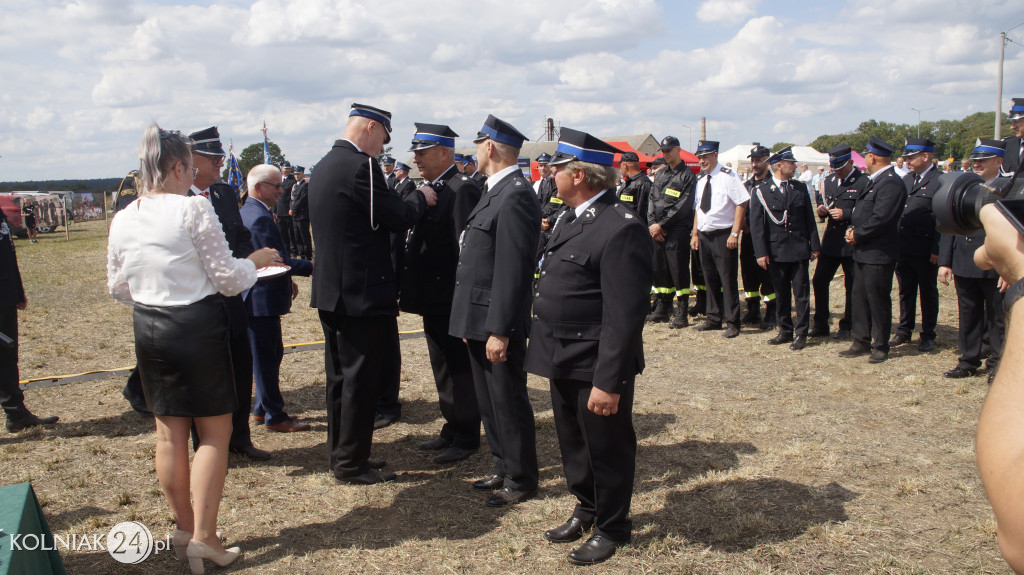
x: 737, y: 156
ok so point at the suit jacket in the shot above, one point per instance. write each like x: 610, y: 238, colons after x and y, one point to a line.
x: 300, y: 200
x: 432, y: 246
x: 1011, y: 160
x: 273, y: 296
x: 840, y: 194
x: 352, y: 272
x: 918, y: 233
x: 496, y: 264
x: 797, y: 236
x: 285, y: 201
x: 479, y: 178
x: 405, y: 188
x: 225, y: 203
x: 592, y: 298
x: 876, y: 218
x: 392, y: 180
x: 11, y: 290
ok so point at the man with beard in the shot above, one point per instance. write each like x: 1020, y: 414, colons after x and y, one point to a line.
x: 670, y: 219
x: 839, y: 194
x: 785, y: 239
x: 428, y: 285
x: 917, y: 268
x: 757, y: 282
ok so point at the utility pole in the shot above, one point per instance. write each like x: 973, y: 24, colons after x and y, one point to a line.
x: 999, y: 89
x: 919, y: 118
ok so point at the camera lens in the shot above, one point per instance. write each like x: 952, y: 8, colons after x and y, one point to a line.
x: 958, y: 203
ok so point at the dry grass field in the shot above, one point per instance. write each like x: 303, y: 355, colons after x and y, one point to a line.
x: 752, y: 459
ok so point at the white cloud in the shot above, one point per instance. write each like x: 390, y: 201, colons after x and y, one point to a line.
x: 726, y: 11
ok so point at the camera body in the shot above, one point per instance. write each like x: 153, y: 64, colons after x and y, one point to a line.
x: 958, y: 202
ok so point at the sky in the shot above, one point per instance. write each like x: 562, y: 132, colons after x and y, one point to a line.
x: 83, y: 79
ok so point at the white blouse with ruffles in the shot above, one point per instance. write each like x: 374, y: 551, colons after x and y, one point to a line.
x: 168, y: 250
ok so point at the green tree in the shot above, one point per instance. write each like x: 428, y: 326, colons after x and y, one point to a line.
x: 779, y: 145
x: 253, y: 155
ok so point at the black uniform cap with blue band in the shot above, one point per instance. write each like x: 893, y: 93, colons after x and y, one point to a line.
x: 984, y: 149
x: 382, y: 117
x: 207, y: 142
x: 916, y: 146
x: 543, y: 159
x: 1017, y: 109
x: 879, y: 147
x: 429, y: 135
x: 401, y: 166
x: 783, y: 155
x: 500, y: 131
x: 839, y: 156
x: 387, y: 161
x: 705, y: 147
x: 581, y: 146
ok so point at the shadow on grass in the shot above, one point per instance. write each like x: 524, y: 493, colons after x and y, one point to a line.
x: 740, y: 514
x: 668, y: 465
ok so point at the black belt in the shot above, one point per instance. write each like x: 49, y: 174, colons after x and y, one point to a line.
x: 715, y: 233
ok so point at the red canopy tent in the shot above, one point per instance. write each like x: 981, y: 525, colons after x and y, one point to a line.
x: 691, y: 160
x: 645, y: 160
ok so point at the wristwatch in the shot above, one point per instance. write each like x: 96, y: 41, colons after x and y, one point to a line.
x: 1013, y: 293
x: 734, y: 234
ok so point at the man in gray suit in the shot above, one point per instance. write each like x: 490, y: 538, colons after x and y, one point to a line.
x: 491, y: 309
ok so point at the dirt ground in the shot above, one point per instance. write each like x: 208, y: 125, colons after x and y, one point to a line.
x: 752, y: 458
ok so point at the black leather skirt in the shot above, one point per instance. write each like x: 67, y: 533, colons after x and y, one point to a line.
x: 184, y: 358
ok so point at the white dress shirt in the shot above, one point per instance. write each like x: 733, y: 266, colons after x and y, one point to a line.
x: 727, y: 193
x: 168, y: 250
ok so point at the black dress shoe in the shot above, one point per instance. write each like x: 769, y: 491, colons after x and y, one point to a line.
x: 799, y: 343
x: 385, y: 419
x: 842, y: 334
x: 597, y: 549
x: 708, y: 326
x: 508, y: 496
x: 569, y: 531
x: 878, y: 356
x: 453, y: 454
x: 252, y: 452
x: 899, y: 339
x: 731, y: 332
x: 436, y: 444
x: 856, y: 350
x: 780, y: 339
x: 960, y: 372
x: 926, y: 345
x: 377, y: 463
x: 368, y: 477
x: 490, y: 483
x: 30, y: 421
x: 818, y: 332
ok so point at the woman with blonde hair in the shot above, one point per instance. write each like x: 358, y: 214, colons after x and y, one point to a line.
x: 167, y: 256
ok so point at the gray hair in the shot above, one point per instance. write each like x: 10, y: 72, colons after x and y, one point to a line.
x: 160, y: 151
x: 259, y: 173
x: 596, y: 176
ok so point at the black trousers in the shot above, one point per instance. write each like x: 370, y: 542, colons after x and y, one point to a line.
x: 359, y: 353
x: 792, y: 282
x: 303, y: 239
x: 598, y: 456
x: 287, y: 230
x: 872, y: 304
x: 823, y: 274
x: 916, y: 273
x: 721, y: 266
x: 672, y: 263
x: 12, y: 399
x: 453, y: 376
x: 980, y: 309
x: 506, y: 413
x: 757, y: 281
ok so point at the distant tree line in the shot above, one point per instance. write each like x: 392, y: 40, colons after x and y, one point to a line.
x: 81, y: 186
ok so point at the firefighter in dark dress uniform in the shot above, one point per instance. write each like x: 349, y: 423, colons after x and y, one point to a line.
x: 635, y: 192
x: 757, y: 282
x: 839, y: 193
x: 586, y: 339
x: 1013, y: 154
x: 670, y: 219
x: 917, y: 268
x: 282, y: 209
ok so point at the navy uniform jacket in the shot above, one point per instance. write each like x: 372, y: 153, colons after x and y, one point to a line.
x: 273, y: 296
x: 285, y: 202
x: 672, y: 198
x: 843, y: 195
x: 797, y: 236
x: 405, y: 187
x: 592, y: 298
x: 636, y: 193
x: 225, y: 203
x: 496, y: 264
x: 432, y: 246
x: 1011, y: 160
x: 352, y: 273
x: 11, y: 291
x: 876, y: 218
x: 300, y: 200
x: 918, y: 233
x: 479, y: 178
x: 392, y: 180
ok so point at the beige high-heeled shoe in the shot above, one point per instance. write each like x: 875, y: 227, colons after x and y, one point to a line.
x: 180, y: 541
x: 198, y: 551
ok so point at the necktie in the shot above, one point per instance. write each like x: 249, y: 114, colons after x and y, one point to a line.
x: 705, y: 196
x: 570, y: 216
